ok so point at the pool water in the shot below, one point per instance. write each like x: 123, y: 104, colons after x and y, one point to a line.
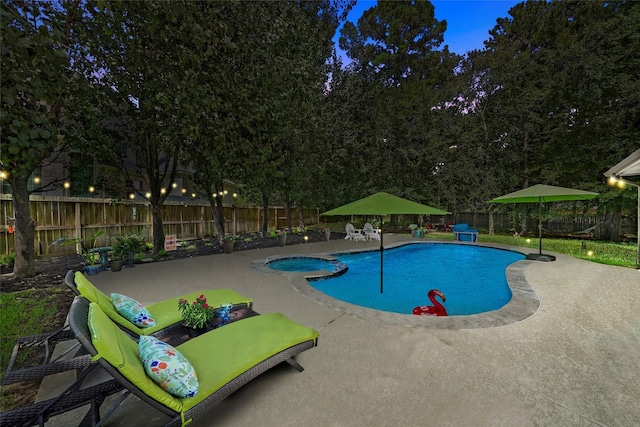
x: 303, y: 264
x: 471, y: 277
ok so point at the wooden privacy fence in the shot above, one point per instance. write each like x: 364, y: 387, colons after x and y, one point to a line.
x: 58, y: 217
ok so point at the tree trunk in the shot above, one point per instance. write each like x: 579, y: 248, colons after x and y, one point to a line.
x: 158, y: 232
x: 301, y: 218
x: 491, y: 224
x: 217, y: 211
x: 265, y: 215
x: 288, y: 207
x: 24, y: 234
x: 616, y: 224
x: 523, y: 224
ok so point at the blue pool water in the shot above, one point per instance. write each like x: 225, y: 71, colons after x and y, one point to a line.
x: 471, y: 277
x: 303, y: 264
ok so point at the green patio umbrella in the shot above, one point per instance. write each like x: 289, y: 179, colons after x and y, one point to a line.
x: 384, y: 204
x: 544, y: 193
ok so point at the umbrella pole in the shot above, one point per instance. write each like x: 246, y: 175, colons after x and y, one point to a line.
x: 540, y: 223
x: 381, y: 261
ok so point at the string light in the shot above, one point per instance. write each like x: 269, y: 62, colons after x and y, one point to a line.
x: 66, y: 185
x: 91, y: 188
x: 36, y: 180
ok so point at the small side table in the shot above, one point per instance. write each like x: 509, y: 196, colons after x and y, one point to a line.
x: 104, y: 255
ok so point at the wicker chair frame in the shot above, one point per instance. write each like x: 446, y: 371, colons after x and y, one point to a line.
x: 78, y: 317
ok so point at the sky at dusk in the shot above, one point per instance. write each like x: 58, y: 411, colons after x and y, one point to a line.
x: 468, y: 21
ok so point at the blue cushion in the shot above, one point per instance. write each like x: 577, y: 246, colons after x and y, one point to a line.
x: 132, y: 310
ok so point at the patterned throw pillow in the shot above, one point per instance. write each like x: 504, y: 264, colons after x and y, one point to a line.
x: 132, y: 310
x: 167, y: 367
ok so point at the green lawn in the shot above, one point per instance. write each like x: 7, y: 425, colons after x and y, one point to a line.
x: 22, y: 314
x: 620, y: 254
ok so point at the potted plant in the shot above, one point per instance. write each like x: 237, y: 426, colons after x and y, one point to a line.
x: 414, y: 230
x: 92, y: 259
x: 282, y: 238
x: 196, y: 315
x: 120, y: 251
x: 327, y: 233
x: 229, y: 243
x: 421, y: 231
x: 126, y: 246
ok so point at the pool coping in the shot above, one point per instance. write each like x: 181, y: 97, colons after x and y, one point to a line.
x: 524, y: 301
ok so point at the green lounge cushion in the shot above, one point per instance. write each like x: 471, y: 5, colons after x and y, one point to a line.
x: 165, y: 313
x: 218, y: 356
x: 237, y: 347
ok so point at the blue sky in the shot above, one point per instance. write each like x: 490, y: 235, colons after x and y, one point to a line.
x: 468, y: 21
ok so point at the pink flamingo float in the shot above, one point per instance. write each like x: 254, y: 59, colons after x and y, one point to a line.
x: 436, y: 310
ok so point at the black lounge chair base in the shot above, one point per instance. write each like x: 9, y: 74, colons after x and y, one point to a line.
x: 71, y: 398
x: 224, y: 359
x: 48, y: 367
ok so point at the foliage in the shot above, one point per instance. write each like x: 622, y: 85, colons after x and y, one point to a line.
x: 123, y: 245
x: 196, y: 314
x: 6, y: 260
x: 47, y: 106
x: 90, y: 258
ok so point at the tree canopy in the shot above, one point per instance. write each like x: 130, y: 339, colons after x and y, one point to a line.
x: 254, y: 92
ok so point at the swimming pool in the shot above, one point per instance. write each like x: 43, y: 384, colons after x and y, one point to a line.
x: 472, y: 278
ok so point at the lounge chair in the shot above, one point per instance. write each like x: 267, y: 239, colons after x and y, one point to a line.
x: 353, y: 233
x: 370, y: 233
x: 224, y: 360
x: 165, y: 313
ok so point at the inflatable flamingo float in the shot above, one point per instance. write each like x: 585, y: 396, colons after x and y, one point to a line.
x: 436, y: 310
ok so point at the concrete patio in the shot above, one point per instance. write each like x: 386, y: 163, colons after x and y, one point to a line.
x: 575, y: 362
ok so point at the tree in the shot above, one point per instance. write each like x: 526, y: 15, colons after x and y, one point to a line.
x: 150, y: 56
x: 396, y: 47
x: 45, y: 102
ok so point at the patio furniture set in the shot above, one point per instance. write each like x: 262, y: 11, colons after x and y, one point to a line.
x: 162, y: 364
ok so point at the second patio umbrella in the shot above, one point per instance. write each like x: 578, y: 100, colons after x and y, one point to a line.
x: 544, y: 193
x: 384, y: 204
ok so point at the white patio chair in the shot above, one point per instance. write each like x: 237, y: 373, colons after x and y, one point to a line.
x: 370, y: 233
x: 353, y: 233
